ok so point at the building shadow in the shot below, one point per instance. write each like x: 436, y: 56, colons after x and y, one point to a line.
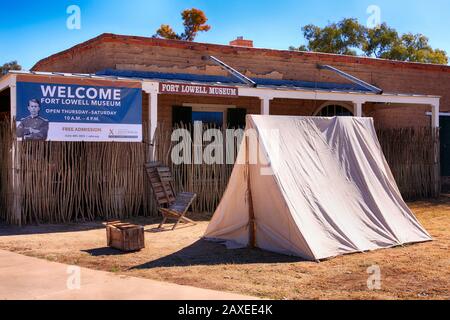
x: 205, y: 253
x: 9, y: 230
x: 444, y: 199
x: 35, y: 229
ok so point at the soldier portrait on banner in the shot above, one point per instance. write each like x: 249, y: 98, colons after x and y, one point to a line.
x: 33, y: 127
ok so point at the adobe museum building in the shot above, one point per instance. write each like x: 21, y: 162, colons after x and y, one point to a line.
x: 188, y: 81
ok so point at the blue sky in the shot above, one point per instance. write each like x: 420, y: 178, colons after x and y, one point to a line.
x: 32, y: 30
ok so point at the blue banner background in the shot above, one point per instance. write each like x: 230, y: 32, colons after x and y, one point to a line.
x: 129, y: 112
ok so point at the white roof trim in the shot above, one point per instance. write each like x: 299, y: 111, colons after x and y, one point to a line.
x: 75, y: 75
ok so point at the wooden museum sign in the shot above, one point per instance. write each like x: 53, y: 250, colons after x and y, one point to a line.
x: 198, y: 90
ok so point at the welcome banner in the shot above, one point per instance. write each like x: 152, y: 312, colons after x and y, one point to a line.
x: 60, y: 109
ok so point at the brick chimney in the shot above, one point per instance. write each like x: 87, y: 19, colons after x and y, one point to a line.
x: 240, y: 42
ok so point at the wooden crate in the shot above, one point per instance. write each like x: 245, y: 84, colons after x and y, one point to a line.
x: 124, y: 236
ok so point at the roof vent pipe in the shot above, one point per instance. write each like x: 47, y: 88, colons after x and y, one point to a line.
x: 353, y: 79
x: 231, y: 71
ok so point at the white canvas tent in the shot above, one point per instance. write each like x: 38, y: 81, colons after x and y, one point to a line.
x: 331, y: 191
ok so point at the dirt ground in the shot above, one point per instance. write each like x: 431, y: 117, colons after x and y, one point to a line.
x: 419, y: 271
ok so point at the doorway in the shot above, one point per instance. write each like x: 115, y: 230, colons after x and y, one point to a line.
x: 445, y: 146
x: 5, y: 104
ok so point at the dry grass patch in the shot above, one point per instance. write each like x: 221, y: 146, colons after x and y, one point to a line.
x: 419, y: 271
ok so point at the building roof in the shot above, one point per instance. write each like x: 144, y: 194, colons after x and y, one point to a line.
x: 264, y: 83
x: 326, y: 57
x: 212, y: 79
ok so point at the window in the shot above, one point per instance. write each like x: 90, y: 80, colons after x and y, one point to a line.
x: 334, y: 110
x: 209, y: 117
x: 218, y: 116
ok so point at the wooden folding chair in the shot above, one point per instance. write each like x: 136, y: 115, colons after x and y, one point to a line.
x: 172, y: 206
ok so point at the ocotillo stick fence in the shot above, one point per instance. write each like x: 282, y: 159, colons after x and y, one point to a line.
x: 60, y: 182
x: 413, y: 156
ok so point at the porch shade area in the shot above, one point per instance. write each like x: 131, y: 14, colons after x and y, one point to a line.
x: 321, y: 188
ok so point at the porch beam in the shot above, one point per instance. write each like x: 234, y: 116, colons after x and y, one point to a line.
x: 337, y: 96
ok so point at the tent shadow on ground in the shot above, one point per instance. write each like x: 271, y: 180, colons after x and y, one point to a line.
x: 205, y: 253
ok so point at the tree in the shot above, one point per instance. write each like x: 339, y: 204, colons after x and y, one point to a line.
x: 194, y: 21
x: 349, y: 37
x: 13, y: 65
x: 380, y: 41
x: 415, y: 48
x: 166, y: 32
x: 343, y: 37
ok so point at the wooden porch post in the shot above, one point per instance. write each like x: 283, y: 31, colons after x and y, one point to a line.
x: 153, y: 121
x: 152, y: 89
x: 358, y: 108
x: 265, y: 105
x: 435, y: 124
x: 15, y: 200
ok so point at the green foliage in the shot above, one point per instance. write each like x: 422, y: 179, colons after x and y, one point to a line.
x: 349, y: 37
x: 379, y: 41
x: 340, y: 38
x: 194, y: 21
x: 13, y: 65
